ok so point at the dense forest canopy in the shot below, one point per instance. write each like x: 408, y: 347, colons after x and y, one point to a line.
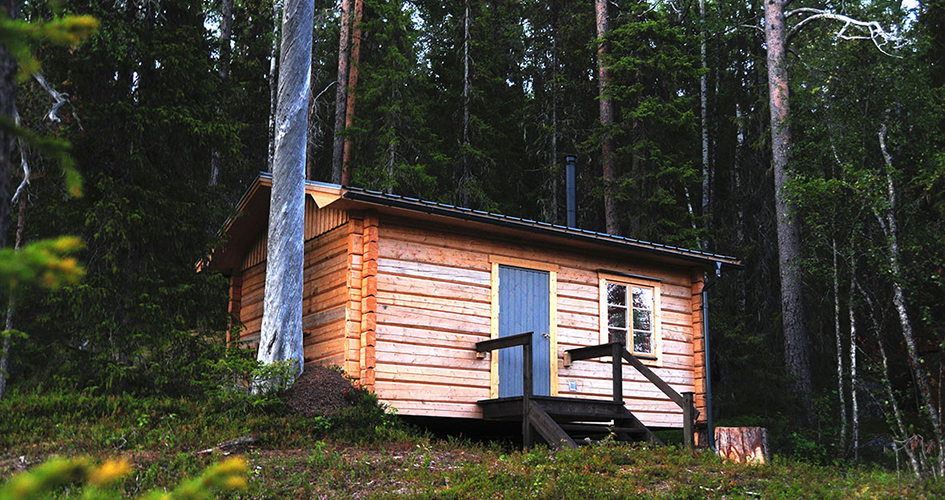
x: 477, y: 103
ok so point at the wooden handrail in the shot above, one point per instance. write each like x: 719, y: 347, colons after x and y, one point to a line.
x: 524, y: 340
x: 617, y: 351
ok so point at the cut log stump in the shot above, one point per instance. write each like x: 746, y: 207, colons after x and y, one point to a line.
x: 743, y: 444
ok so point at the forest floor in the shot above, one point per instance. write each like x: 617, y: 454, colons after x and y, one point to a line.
x: 343, y: 446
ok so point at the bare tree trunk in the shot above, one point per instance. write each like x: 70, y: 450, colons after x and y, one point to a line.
x: 352, y: 90
x: 887, y: 220
x: 341, y: 95
x: 739, y: 201
x: 703, y: 98
x: 226, y: 32
x: 281, y: 335
x: 8, y: 72
x: 606, y: 119
x: 854, y: 406
x: 553, y: 163
x: 836, y: 327
x: 11, y: 302
x: 796, y: 341
x: 887, y: 386
x: 274, y: 77
x: 467, y: 94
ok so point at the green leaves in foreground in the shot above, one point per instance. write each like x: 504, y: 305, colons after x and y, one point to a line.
x: 98, y: 482
x: 45, y: 263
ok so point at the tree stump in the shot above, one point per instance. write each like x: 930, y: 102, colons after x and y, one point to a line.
x: 743, y: 444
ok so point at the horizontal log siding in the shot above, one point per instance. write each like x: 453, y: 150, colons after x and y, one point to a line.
x: 433, y: 305
x: 325, y: 291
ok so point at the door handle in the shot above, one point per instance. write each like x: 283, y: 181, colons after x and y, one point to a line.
x: 546, y: 335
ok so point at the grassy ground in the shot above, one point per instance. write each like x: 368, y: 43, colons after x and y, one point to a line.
x: 365, y: 454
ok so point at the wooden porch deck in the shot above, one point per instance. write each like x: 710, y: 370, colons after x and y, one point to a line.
x: 559, y: 420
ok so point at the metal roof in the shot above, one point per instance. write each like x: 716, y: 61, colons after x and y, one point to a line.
x: 443, y: 209
x: 508, y: 221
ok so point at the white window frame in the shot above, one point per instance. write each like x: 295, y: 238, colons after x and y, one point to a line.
x: 656, y: 357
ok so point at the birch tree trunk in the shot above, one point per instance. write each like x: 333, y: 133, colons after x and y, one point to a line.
x: 854, y: 407
x: 274, y: 77
x: 606, y: 119
x: 796, y: 341
x: 281, y: 336
x: 836, y: 328
x: 887, y: 220
x: 352, y: 89
x: 226, y: 32
x: 341, y: 95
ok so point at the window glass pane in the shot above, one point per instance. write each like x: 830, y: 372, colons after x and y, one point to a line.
x: 642, y: 319
x: 616, y: 294
x: 642, y: 342
x: 643, y: 298
x: 616, y: 317
x: 618, y: 336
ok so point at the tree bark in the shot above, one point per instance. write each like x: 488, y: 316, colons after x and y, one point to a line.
x: 890, y: 393
x: 796, y: 341
x: 704, y: 101
x: 836, y: 328
x: 606, y: 119
x: 226, y: 32
x: 274, y: 77
x: 281, y: 335
x: 11, y: 302
x: 341, y: 95
x: 854, y: 406
x: 466, y: 177
x: 352, y: 89
x: 8, y: 71
x: 887, y: 220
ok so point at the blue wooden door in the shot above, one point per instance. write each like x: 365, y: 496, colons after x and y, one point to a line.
x: 524, y: 306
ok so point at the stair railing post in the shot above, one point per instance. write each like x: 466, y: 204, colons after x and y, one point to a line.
x: 688, y: 424
x: 615, y: 355
x: 527, y: 388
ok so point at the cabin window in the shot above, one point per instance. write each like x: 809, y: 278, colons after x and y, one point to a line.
x: 630, y: 315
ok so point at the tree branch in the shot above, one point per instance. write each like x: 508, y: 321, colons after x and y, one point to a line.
x: 870, y: 30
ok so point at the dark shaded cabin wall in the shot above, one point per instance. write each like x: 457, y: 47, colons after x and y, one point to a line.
x: 325, y: 293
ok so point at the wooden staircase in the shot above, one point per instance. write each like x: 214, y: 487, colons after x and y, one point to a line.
x: 569, y: 422
x: 566, y: 422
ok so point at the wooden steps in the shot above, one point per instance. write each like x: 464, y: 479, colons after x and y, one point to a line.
x: 567, y: 422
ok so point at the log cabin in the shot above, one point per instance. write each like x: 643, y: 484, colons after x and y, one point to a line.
x: 440, y: 310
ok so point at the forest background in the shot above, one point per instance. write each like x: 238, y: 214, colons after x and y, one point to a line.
x: 476, y: 103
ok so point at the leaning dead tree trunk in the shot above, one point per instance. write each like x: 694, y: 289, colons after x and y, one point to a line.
x: 341, y: 94
x: 281, y: 335
x: 606, y: 118
x: 886, y: 218
x: 903, y: 436
x: 796, y: 341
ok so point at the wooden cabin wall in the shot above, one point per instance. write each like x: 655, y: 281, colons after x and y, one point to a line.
x: 325, y: 292
x: 433, y: 305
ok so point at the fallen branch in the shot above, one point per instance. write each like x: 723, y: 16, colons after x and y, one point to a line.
x: 226, y: 446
